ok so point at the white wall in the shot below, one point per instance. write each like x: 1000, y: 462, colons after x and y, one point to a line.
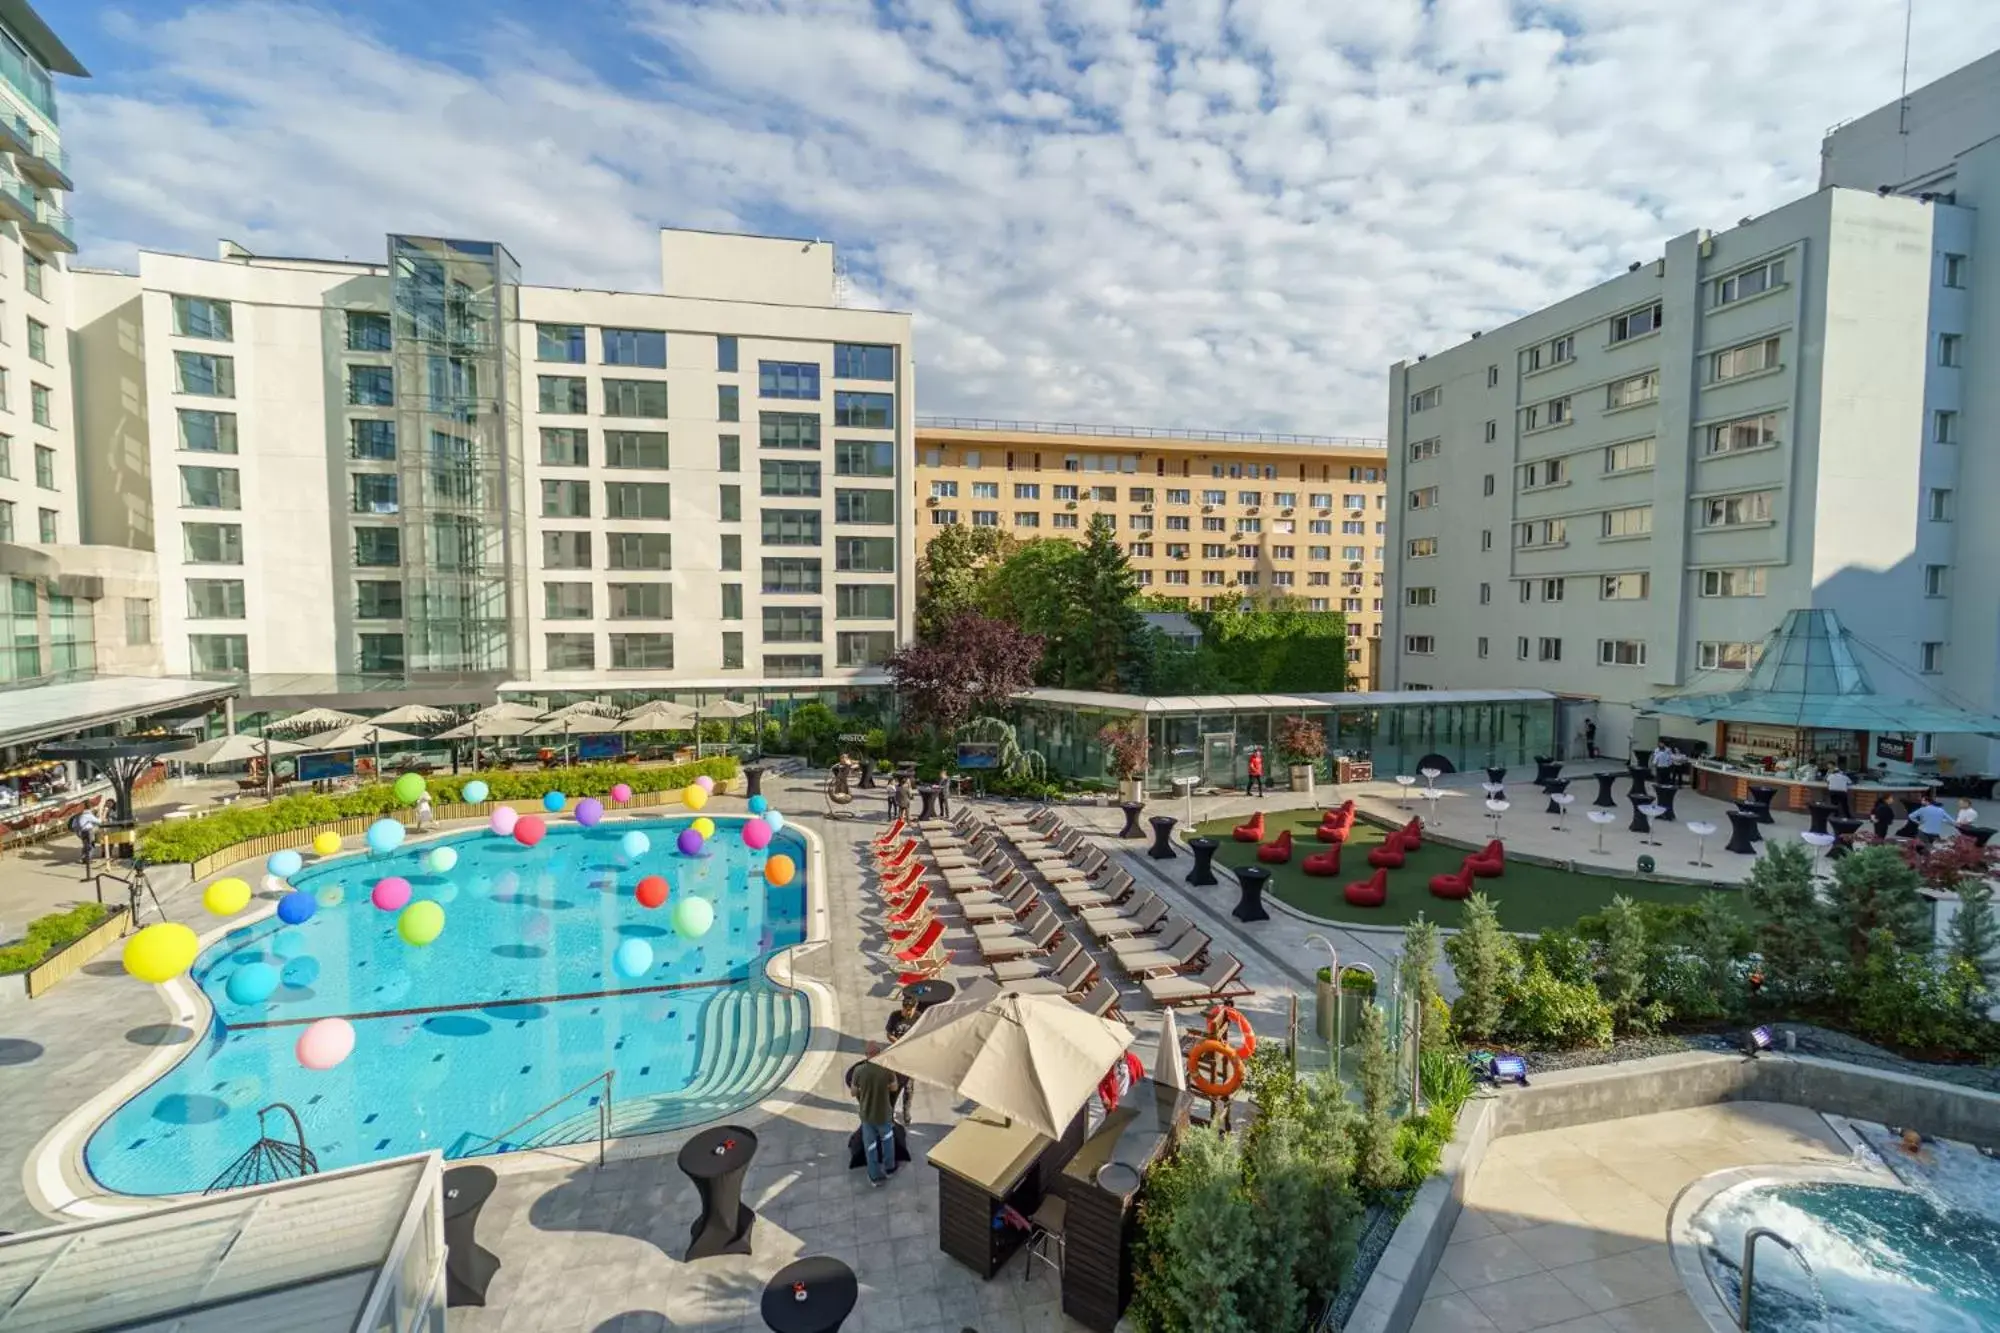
x: 718, y: 266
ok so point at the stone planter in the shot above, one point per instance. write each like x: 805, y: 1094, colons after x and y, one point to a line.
x: 43, y: 976
x: 1302, y: 778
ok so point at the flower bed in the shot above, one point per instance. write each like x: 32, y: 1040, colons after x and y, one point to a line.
x: 49, y: 934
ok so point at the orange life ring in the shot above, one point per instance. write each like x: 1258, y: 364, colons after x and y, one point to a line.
x: 1221, y: 1014
x: 1201, y: 1081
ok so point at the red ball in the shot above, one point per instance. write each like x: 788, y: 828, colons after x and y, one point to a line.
x: 652, y: 891
x: 529, y: 830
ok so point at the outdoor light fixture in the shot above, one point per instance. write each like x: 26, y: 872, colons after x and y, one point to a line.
x: 1756, y: 1040
x: 1510, y: 1069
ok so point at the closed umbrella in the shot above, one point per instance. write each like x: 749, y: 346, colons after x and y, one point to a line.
x: 315, y: 719
x: 1034, y: 1058
x: 1168, y: 1070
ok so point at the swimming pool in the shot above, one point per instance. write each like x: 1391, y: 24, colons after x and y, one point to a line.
x: 515, y: 1004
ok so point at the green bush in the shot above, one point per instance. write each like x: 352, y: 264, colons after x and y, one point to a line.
x: 1197, y: 1241
x: 1421, y: 1140
x: 1567, y: 955
x: 1447, y: 1078
x: 1902, y: 998
x: 1542, y: 1010
x: 48, y: 934
x: 191, y: 839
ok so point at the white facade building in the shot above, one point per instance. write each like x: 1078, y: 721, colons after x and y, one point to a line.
x: 425, y: 469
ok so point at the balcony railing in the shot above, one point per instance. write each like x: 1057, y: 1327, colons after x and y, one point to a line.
x: 1144, y: 432
x: 37, y: 92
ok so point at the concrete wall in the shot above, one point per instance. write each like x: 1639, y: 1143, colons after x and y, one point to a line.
x: 51, y: 310
x: 718, y: 266
x: 108, y: 356
x: 1911, y: 141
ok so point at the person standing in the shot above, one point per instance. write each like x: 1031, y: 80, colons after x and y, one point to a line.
x: 425, y: 815
x: 1590, y: 737
x: 900, y: 1022
x: 875, y: 1098
x: 944, y: 794
x: 895, y: 798
x: 85, y: 826
x: 1931, y: 820
x: 1254, y: 785
x: 1839, y: 791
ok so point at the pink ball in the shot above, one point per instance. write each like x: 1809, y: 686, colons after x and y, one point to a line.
x: 621, y: 793
x: 529, y: 830
x: 392, y: 893
x: 589, y: 811
x: 325, y: 1043
x: 502, y: 820
x: 706, y: 783
x: 757, y: 834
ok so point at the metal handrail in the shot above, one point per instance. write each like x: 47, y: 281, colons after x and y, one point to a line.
x: 1750, y: 1239
x: 603, y: 1113
x: 1144, y: 432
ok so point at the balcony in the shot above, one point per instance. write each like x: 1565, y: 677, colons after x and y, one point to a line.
x: 36, y: 156
x: 50, y: 227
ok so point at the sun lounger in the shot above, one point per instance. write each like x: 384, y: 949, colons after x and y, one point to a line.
x: 1006, y: 942
x: 1118, y: 927
x: 1027, y: 969
x: 1218, y: 981
x: 1077, y: 972
x: 1101, y: 1002
x: 1083, y: 897
x: 1007, y: 909
x: 1176, y: 958
x: 1145, y: 902
x: 1172, y: 932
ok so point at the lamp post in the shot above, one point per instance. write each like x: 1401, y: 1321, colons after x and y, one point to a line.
x: 1333, y: 977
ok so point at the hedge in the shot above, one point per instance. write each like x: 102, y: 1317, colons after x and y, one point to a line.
x: 50, y: 933
x: 191, y: 839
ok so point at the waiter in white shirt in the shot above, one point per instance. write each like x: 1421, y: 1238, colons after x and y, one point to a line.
x: 1663, y: 764
x: 1838, y: 785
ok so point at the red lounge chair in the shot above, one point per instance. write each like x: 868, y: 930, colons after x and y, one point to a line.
x: 1326, y: 863
x: 1458, y: 885
x: 1370, y: 892
x: 908, y: 912
x: 1252, y: 831
x: 899, y: 883
x: 1389, y: 856
x: 888, y: 835
x: 1278, y: 851
x: 1489, y: 862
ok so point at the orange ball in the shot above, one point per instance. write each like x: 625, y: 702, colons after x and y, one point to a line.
x: 778, y: 871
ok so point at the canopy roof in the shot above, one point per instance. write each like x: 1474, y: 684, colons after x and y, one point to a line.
x: 43, y: 712
x: 1811, y: 675
x: 1289, y: 703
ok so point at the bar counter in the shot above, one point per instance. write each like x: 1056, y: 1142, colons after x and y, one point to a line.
x: 986, y: 1163
x: 1101, y: 1185
x: 1796, y: 794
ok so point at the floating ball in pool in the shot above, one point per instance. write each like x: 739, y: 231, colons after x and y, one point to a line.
x: 778, y: 871
x: 706, y: 783
x: 327, y: 843
x: 474, y: 792
x: 704, y: 826
x: 635, y: 844
x: 392, y: 893
x: 409, y: 787
x: 325, y: 1043
x: 331, y: 896
x: 633, y: 959
x: 226, y: 897
x: 502, y: 820
x: 441, y: 859
x: 385, y: 835
x: 757, y: 835
x: 420, y: 923
x: 758, y: 805
x: 774, y: 819
x: 296, y: 908
x: 538, y: 928
x: 253, y: 984
x: 554, y: 801
x: 285, y: 864
x: 693, y: 797
x: 621, y: 793
x: 161, y: 951
x: 589, y: 811
x: 651, y: 891
x: 529, y: 830
x: 689, y: 842
x: 693, y: 917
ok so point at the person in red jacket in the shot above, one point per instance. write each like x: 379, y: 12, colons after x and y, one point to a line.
x: 1255, y: 785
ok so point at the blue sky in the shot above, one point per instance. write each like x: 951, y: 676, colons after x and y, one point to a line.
x: 1215, y: 213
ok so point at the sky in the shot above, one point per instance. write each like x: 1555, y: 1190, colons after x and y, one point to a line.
x: 1224, y: 214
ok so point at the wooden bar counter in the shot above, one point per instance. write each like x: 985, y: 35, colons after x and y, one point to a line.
x: 985, y: 1163
x: 1101, y: 1185
x: 1734, y: 784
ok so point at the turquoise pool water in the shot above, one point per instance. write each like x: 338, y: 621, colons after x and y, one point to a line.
x: 512, y: 1006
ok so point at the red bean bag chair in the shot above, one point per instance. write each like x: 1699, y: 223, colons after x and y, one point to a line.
x: 1489, y: 862
x: 1252, y: 831
x: 1325, y: 863
x: 1370, y: 892
x: 1457, y: 885
x: 1389, y: 856
x: 1278, y: 851
x: 1333, y: 833
x: 1412, y: 834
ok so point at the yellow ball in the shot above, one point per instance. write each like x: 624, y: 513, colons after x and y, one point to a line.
x: 694, y: 798
x: 226, y: 897
x: 161, y: 951
x: 327, y: 843
x: 420, y: 922
x: 704, y: 826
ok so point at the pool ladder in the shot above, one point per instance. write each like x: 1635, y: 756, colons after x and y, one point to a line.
x: 603, y: 1114
x: 1750, y: 1239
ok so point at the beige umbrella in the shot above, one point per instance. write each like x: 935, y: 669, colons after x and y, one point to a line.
x: 356, y: 736
x: 585, y: 708
x: 240, y: 749
x: 1035, y: 1058
x: 412, y: 715
x: 315, y: 719
x: 577, y: 724
x: 658, y: 716
x: 725, y: 708
x: 1168, y: 1070
x: 496, y: 727
x: 512, y: 711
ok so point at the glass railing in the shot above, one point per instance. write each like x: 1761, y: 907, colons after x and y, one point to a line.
x: 48, y: 215
x: 32, y: 84
x: 18, y: 190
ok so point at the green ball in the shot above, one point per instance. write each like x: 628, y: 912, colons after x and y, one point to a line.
x: 1645, y: 865
x: 421, y: 922
x: 409, y: 787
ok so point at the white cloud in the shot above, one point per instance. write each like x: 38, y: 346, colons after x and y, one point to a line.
x: 1223, y: 213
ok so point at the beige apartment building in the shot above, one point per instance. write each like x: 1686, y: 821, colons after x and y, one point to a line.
x: 1208, y: 517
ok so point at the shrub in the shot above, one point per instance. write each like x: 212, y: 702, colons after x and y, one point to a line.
x: 1625, y: 960
x: 1421, y: 1140
x: 1486, y: 961
x: 1197, y: 1240
x: 1874, y: 890
x: 1544, y: 1011
x: 48, y: 935
x: 1376, y: 1165
x: 1418, y: 971
x: 1902, y: 998
x: 1791, y: 938
x: 1125, y: 751
x: 191, y: 839
x: 1447, y: 1079
x: 1566, y: 954
x: 1301, y: 740
x: 1974, y: 935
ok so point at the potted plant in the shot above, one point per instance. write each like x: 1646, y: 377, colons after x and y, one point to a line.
x: 1125, y: 752
x: 1302, y: 743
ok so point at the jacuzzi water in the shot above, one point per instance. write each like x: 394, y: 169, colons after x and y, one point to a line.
x: 513, y: 1005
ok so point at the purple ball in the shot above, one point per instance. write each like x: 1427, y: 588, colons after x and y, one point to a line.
x: 588, y: 811
x: 689, y: 842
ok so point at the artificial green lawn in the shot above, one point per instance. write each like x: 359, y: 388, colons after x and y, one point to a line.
x: 1530, y: 897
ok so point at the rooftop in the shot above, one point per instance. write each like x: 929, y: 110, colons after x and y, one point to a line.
x: 1165, y: 434
x: 43, y: 712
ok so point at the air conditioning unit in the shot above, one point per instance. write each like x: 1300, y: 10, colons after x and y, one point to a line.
x: 1288, y: 509
x: 1069, y: 504
x: 1146, y: 508
x: 1357, y: 513
x: 1208, y: 509
x: 1251, y: 510
x: 933, y: 500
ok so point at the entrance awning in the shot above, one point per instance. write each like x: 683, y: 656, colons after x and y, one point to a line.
x: 45, y: 712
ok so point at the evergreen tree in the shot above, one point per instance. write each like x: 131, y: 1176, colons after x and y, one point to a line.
x: 950, y: 572
x: 1197, y: 1242
x: 1377, y: 1166
x: 1875, y: 889
x: 1421, y: 998
x: 1485, y: 960
x: 1625, y: 962
x: 1716, y: 938
x: 1974, y: 934
x: 1104, y: 587
x: 1792, y: 932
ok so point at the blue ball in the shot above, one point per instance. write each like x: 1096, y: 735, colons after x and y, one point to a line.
x: 635, y: 844
x: 634, y: 959
x: 758, y: 805
x: 554, y: 801
x: 774, y: 819
x: 385, y: 835
x: 253, y: 984
x: 296, y: 908
x: 285, y: 864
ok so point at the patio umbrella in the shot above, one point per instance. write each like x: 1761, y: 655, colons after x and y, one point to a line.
x: 1168, y: 1071
x: 658, y: 716
x: 498, y: 727
x: 585, y: 708
x: 412, y: 715
x: 1034, y: 1058
x: 355, y: 736
x: 240, y: 749
x: 316, y: 719
x: 728, y: 708
x: 512, y: 711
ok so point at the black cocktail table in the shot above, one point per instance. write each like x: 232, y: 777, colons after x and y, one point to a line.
x: 1820, y: 812
x: 753, y: 780
x: 1742, y: 832
x: 1762, y: 797
x: 715, y: 1161
x: 1163, y: 837
x: 1606, y: 798
x: 468, y: 1268
x: 930, y: 795
x: 1250, y: 907
x: 1204, y: 853
x: 1640, y: 777
x: 1132, y: 829
x: 810, y: 1296
x: 1555, y: 789
x: 928, y: 993
x: 1639, y: 824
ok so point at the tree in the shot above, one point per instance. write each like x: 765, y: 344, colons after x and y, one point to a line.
x: 1874, y: 889
x: 1104, y: 588
x: 979, y: 661
x: 1625, y: 962
x: 1716, y: 938
x: 1974, y: 935
x: 950, y: 573
x: 1079, y: 599
x: 1376, y: 1164
x: 1486, y: 960
x: 1197, y: 1242
x: 1421, y: 997
x: 1163, y: 664
x: 813, y: 726
x: 1791, y: 936
x: 1032, y: 589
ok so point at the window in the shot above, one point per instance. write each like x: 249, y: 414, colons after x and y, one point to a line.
x: 1632, y: 390
x: 1934, y: 580
x: 1728, y: 511
x: 219, y: 654
x: 858, y: 506
x: 1419, y: 645
x: 565, y: 550
x: 559, y: 342
x: 1743, y: 433
x: 1178, y: 497
x: 640, y: 601
x: 45, y: 467
x: 1215, y: 497
x: 1621, y: 652
x: 570, y: 652
x: 1141, y: 495
x: 1354, y: 654
x: 948, y: 518
x: 1733, y: 582
x: 860, y: 648
x: 1526, y: 587
x: 1549, y: 650
x: 1729, y: 656
x: 38, y: 341
x: 1632, y: 521
x: 1103, y: 494
x: 194, y: 317
x: 39, y: 400
x: 215, y: 599
x: 1422, y: 449
x: 1418, y: 548
x: 642, y: 652
x: 1635, y: 323
x: 1931, y: 658
x: 377, y: 493
x: 1552, y: 589
x: 1215, y: 525
x: 635, y: 347
x: 7, y: 456
x: 1750, y: 281
x: 985, y: 518
x: 1548, y: 472
x: 791, y: 527
x: 1420, y: 596
x: 1543, y: 532
x: 864, y: 601
x: 732, y: 644
x: 784, y: 476
x: 865, y: 555
x: 1944, y: 427
x: 1424, y: 400
x: 1249, y: 497
x: 1249, y: 525
x: 732, y: 601
x: 373, y: 547
x: 382, y: 654
x: 1632, y: 456
x: 872, y: 458
x: 1486, y: 539
x: 635, y: 449
x: 372, y: 440
x: 368, y: 331
x: 792, y: 624
x: 729, y: 503
x: 1954, y: 271
x: 566, y: 601
x: 729, y: 453
x: 787, y: 379
x: 1624, y: 587
x: 566, y: 395
x: 985, y: 490
x: 211, y: 488
x: 1177, y: 575
x: 204, y: 374
x: 566, y: 446
x: 638, y: 499
x: 792, y: 665
x: 1424, y: 498
x: 1940, y: 505
x: 1027, y: 518
x: 650, y: 550
x: 46, y: 523
x: 635, y: 398
x: 863, y: 361
x: 371, y: 386
x: 6, y: 528
x: 725, y: 358
x: 1492, y: 431
x: 788, y: 430
x: 1948, y: 346
x: 1543, y: 415
x: 376, y: 599
x: 32, y: 265
x: 1749, y: 359
x: 565, y: 499
x: 867, y: 411
x: 1027, y: 491
x: 1063, y: 521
